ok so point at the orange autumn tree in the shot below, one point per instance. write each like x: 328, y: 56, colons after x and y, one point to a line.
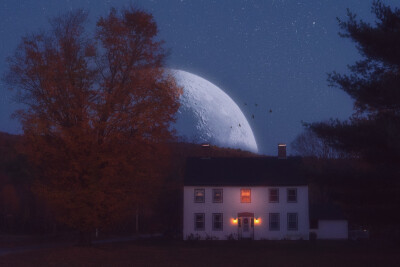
x: 97, y: 117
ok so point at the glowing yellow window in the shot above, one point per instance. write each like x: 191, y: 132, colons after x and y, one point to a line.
x: 245, y: 195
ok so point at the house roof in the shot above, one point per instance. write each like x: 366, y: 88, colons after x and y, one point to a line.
x: 255, y: 171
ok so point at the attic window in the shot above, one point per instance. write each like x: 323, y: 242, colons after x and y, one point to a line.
x: 245, y: 195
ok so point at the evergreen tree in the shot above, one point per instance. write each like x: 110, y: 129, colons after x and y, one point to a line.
x: 373, y: 132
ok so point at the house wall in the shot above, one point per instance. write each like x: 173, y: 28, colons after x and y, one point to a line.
x: 332, y: 229
x: 260, y: 206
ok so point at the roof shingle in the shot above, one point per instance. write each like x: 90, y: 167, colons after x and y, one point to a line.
x: 255, y: 171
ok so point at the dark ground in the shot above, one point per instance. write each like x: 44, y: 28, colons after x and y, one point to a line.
x: 158, y: 252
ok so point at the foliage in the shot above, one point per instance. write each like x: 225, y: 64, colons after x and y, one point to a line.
x: 232, y: 237
x: 371, y: 135
x: 97, y: 115
x: 211, y: 237
x: 374, y: 84
x: 193, y: 237
x: 164, y: 216
x: 308, y: 144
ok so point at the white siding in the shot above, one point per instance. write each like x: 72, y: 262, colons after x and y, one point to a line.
x: 332, y: 229
x: 260, y: 206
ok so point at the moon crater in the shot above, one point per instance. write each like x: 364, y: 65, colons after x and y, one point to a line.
x: 208, y: 115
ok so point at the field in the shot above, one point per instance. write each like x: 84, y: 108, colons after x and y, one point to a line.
x: 212, y: 253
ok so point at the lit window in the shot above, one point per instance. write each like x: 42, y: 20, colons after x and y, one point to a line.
x: 274, y: 222
x: 217, y: 195
x: 199, y: 221
x: 274, y: 195
x: 217, y: 221
x: 292, y: 195
x: 245, y: 195
x: 292, y: 221
x: 199, y: 195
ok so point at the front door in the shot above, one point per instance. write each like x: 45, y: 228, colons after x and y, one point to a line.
x: 246, y: 227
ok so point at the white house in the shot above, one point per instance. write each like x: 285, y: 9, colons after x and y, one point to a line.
x: 245, y: 198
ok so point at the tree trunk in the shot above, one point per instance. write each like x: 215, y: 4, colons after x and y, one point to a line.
x: 85, y: 238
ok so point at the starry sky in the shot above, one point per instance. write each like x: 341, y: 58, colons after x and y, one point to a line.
x: 268, y: 55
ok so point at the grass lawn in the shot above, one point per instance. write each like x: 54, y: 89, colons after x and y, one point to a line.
x: 216, y: 253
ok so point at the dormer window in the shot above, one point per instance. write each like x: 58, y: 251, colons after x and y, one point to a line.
x: 245, y: 195
x: 199, y: 195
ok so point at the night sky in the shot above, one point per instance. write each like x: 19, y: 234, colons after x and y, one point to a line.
x: 270, y: 55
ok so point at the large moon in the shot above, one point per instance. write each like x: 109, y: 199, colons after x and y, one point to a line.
x: 208, y: 115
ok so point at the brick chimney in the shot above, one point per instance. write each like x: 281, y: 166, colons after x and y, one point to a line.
x: 205, y: 151
x: 281, y: 151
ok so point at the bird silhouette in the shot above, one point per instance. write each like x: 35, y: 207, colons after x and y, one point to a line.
x: 245, y: 104
x: 255, y: 104
x: 240, y: 125
x: 252, y: 116
x: 270, y: 111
